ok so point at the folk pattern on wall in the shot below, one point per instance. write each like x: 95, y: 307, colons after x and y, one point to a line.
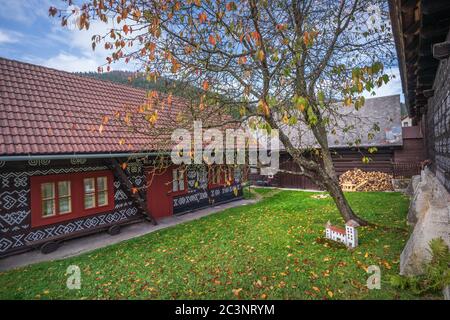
x: 15, y: 206
x: 203, y: 198
x: 197, y: 178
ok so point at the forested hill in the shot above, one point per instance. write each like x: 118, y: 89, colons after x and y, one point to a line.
x: 129, y: 78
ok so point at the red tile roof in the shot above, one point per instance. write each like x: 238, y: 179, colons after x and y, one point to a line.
x: 46, y: 111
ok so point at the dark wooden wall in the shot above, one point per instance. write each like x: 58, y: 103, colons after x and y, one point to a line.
x: 344, y: 160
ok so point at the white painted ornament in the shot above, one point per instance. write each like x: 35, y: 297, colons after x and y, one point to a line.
x: 349, y: 236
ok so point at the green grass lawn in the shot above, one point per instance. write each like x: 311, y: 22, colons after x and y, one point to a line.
x: 274, y: 249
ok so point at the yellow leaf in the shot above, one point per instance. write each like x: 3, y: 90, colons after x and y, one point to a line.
x: 260, y: 55
x: 316, y: 289
x: 237, y: 292
x: 264, y: 296
x: 330, y: 294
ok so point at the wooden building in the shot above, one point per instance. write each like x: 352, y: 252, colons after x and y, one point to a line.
x: 422, y: 38
x: 67, y: 169
x: 399, y: 150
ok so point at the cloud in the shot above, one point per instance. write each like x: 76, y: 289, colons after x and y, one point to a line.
x: 79, y: 43
x: 25, y: 11
x: 394, y: 86
x: 8, y: 36
x: 71, y: 63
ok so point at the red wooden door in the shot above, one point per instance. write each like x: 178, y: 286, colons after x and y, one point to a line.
x: 159, y: 200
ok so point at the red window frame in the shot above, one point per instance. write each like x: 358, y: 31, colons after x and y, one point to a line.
x: 77, y: 196
x: 212, y: 171
x: 228, y: 173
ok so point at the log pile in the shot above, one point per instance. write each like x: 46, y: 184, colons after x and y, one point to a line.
x: 358, y: 180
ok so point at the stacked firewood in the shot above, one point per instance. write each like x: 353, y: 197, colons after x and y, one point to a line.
x: 358, y: 180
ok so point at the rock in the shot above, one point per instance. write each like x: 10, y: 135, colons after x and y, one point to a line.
x: 420, y: 202
x: 412, y: 186
x: 401, y: 185
x: 430, y: 208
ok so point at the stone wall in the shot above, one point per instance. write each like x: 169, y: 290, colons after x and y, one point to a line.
x: 438, y: 123
x: 429, y: 213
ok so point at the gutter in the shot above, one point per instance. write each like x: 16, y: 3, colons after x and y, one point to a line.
x: 79, y: 156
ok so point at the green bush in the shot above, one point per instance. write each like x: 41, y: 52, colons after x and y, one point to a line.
x: 437, y: 272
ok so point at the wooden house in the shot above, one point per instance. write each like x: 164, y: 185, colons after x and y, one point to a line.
x: 399, y: 151
x: 68, y: 169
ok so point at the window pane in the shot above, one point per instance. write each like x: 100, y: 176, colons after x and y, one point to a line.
x: 175, y: 180
x: 48, y: 190
x: 181, y: 180
x: 102, y: 198
x: 101, y: 183
x: 48, y: 208
x: 89, y: 185
x: 89, y: 200
x: 64, y: 205
x: 63, y: 188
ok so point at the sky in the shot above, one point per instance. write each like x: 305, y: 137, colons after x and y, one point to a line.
x: 28, y: 34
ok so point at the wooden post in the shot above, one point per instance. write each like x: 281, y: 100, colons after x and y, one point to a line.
x: 441, y: 50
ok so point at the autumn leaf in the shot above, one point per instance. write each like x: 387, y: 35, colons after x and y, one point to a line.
x: 263, y: 107
x: 231, y: 6
x: 242, y: 60
x: 237, y: 292
x: 205, y: 85
x: 126, y: 29
x: 124, y: 165
x: 330, y: 293
x: 202, y: 17
x: 212, y: 40
x: 260, y: 55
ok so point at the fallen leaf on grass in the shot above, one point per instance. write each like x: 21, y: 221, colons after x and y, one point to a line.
x: 237, y: 292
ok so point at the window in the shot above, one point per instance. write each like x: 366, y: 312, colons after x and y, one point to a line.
x: 177, y: 180
x: 48, y: 199
x: 64, y: 197
x: 215, y: 175
x: 95, y: 192
x: 55, y: 198
x: 228, y: 175
x: 61, y: 197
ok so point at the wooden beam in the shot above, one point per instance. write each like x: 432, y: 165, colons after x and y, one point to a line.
x: 434, y: 6
x: 441, y: 50
x: 412, y: 29
x: 428, y: 93
x: 433, y: 31
x: 409, y: 5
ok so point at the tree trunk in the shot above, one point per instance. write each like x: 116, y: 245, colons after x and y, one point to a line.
x: 332, y: 185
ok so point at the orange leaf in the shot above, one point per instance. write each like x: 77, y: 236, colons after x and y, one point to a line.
x: 205, y: 85
x: 242, y: 60
x: 126, y: 29
x: 202, y: 17
x: 124, y: 166
x: 212, y: 40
